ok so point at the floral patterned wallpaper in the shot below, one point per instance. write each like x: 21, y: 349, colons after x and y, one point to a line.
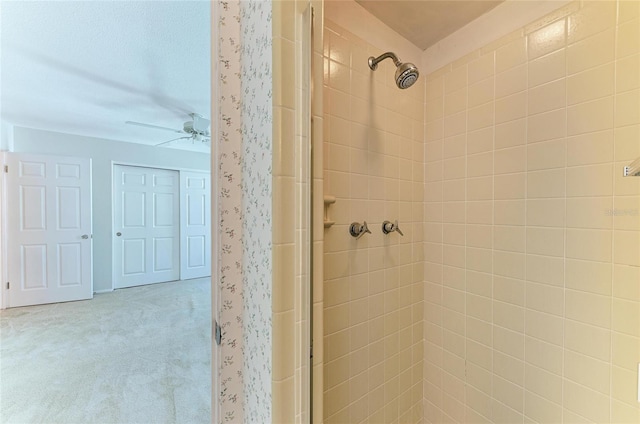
x: 230, y: 304
x: 257, y: 134
x: 245, y: 148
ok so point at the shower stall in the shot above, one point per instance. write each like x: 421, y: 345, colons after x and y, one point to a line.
x: 512, y: 293
x: 452, y: 241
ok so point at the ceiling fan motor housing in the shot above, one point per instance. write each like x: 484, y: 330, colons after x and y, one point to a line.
x: 198, y: 125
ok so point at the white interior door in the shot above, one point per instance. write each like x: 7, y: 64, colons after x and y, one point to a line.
x: 195, y: 225
x: 49, y: 229
x: 146, y: 226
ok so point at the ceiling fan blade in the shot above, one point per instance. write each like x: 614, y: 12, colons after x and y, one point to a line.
x: 169, y: 141
x: 140, y: 124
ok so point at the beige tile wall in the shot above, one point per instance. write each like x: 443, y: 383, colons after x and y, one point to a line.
x: 285, y: 263
x: 532, y: 235
x: 373, y: 310
x: 317, y: 282
x: 292, y: 181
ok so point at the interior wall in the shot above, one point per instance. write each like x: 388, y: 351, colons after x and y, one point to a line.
x: 103, y: 154
x: 506, y: 17
x: 373, y: 311
x: 6, y: 136
x: 229, y: 292
x: 257, y: 191
x: 532, y: 235
x: 317, y: 214
x: 285, y: 165
x: 245, y: 84
x: 292, y: 179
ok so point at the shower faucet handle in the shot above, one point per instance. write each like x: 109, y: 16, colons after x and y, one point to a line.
x: 356, y: 230
x: 389, y: 227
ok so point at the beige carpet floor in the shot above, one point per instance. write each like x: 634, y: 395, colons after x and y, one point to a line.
x: 137, y: 355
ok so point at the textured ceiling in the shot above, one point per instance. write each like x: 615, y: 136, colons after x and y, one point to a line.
x: 425, y: 22
x: 86, y: 67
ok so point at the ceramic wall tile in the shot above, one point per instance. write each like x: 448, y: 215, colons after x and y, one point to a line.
x: 373, y: 160
x: 544, y: 329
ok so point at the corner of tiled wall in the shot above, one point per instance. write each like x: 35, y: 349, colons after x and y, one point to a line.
x: 284, y: 224
x: 292, y: 184
x: 317, y: 113
x: 532, y: 235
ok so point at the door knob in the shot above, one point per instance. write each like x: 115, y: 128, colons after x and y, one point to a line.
x: 118, y: 233
x: 85, y: 236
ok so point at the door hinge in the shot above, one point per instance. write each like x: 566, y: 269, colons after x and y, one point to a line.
x: 6, y: 169
x: 8, y: 285
x: 218, y: 333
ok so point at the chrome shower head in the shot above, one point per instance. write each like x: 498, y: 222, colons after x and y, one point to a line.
x: 406, y: 73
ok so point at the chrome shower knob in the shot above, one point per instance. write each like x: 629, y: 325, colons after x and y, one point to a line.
x: 390, y: 227
x: 357, y: 230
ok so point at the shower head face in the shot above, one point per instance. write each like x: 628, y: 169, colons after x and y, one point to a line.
x: 406, y: 75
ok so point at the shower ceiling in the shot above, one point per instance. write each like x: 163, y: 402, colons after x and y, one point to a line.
x: 425, y: 22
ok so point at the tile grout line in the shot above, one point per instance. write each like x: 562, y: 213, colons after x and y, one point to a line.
x: 526, y: 228
x: 613, y: 219
x: 564, y: 247
x: 493, y: 223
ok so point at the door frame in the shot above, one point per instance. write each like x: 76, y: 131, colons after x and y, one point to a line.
x: 113, y: 215
x: 4, y: 271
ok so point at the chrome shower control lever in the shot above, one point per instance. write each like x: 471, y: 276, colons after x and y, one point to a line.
x: 356, y: 230
x: 389, y: 227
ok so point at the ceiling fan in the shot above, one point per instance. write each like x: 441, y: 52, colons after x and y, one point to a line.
x: 196, y: 130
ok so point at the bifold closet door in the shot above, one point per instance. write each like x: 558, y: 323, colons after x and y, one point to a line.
x: 195, y: 224
x: 146, y: 239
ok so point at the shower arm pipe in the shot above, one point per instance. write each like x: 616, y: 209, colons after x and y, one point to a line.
x: 373, y: 61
